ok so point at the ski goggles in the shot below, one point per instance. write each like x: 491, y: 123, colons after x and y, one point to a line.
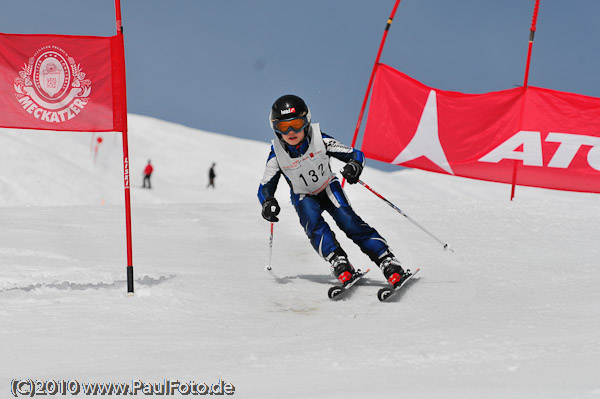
x: 293, y: 124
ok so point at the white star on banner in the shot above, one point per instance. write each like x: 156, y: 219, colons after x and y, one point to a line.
x: 426, y: 141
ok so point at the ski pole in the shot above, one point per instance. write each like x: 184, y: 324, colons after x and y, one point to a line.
x: 446, y: 245
x: 268, y: 267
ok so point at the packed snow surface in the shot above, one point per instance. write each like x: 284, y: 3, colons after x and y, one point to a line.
x: 514, y: 312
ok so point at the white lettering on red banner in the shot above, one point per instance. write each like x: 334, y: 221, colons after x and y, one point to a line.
x: 62, y: 82
x: 551, y: 137
x: 531, y: 153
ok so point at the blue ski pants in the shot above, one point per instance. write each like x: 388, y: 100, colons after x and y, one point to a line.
x: 333, y: 200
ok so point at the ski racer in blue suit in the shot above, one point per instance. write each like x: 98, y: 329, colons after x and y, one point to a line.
x: 300, y: 152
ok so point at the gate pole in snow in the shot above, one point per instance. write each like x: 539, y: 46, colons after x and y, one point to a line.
x: 364, y: 104
x: 526, y: 79
x: 125, y: 153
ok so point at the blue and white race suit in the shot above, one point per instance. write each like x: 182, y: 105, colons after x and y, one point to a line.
x: 314, y: 189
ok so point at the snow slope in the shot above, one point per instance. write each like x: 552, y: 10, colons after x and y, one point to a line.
x: 513, y: 313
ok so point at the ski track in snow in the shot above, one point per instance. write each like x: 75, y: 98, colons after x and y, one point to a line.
x: 513, y: 313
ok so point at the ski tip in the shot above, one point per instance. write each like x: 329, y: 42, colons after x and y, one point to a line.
x: 384, y: 293
x: 334, y: 292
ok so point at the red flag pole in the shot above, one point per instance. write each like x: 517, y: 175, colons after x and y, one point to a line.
x: 531, y: 35
x: 526, y: 79
x: 123, y: 112
x: 364, y: 104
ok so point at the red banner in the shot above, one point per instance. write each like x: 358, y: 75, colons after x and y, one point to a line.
x: 59, y: 82
x: 550, y: 139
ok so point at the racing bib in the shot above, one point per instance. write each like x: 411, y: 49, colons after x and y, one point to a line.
x: 310, y: 173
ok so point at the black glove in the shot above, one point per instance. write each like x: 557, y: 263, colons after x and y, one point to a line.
x: 352, y: 171
x: 270, y: 210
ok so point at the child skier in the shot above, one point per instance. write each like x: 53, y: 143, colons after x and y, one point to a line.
x: 301, y: 152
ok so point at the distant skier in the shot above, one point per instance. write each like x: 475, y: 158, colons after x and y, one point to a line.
x: 147, y: 173
x: 211, y: 176
x: 301, y: 152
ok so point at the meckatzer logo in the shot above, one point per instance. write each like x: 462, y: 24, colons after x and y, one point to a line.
x: 52, y: 87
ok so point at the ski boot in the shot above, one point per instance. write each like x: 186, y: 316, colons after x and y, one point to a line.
x: 342, y: 269
x: 392, y: 270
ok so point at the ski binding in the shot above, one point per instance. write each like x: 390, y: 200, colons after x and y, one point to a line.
x: 385, y: 293
x: 337, y: 291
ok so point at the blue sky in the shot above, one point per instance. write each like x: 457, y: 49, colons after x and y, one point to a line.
x: 218, y: 65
